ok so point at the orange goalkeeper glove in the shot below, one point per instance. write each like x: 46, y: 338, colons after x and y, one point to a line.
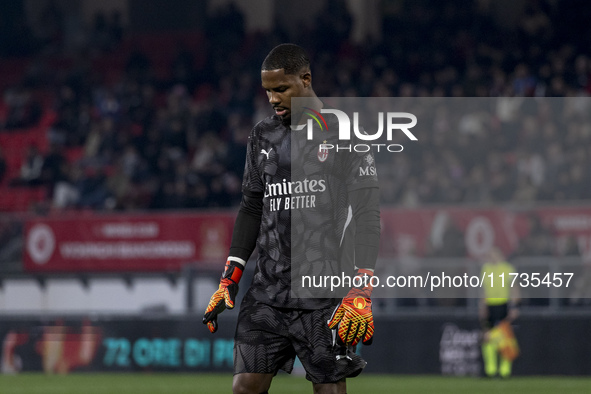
x: 353, y: 317
x: 225, y: 295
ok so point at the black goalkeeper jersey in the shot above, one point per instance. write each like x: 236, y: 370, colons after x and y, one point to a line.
x: 307, y: 225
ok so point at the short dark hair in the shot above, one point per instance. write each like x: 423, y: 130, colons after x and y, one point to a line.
x: 289, y: 57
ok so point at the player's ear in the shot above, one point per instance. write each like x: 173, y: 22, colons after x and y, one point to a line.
x: 306, y: 78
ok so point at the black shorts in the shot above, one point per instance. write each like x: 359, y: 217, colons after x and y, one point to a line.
x: 268, y: 339
x: 496, y: 313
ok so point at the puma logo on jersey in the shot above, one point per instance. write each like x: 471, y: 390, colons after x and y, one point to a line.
x: 264, y: 152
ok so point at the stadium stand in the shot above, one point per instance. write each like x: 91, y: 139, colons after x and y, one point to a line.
x: 195, y: 95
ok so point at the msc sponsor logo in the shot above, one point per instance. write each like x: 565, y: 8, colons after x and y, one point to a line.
x: 369, y: 168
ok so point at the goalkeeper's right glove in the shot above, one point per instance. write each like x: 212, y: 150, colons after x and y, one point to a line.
x: 225, y: 295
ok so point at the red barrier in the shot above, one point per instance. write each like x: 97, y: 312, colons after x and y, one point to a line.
x: 155, y: 242
x: 455, y: 231
x: 166, y: 241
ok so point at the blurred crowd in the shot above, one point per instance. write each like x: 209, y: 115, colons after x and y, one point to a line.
x: 147, y: 141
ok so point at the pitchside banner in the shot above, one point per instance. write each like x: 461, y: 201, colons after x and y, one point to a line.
x: 114, y: 344
x: 419, y: 345
x: 166, y: 241
x: 154, y: 242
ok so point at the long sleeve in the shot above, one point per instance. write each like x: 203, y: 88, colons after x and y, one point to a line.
x: 366, y: 213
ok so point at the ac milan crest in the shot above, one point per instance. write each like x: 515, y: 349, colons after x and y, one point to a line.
x: 322, y: 152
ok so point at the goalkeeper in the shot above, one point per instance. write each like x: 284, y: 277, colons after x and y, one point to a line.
x: 335, y: 198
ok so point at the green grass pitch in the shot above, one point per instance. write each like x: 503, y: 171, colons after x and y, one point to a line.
x: 119, y: 383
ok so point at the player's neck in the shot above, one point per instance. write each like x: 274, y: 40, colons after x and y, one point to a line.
x: 314, y: 103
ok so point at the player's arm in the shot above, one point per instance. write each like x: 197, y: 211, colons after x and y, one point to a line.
x: 365, y: 203
x: 244, y: 236
x: 246, y: 227
x: 354, y: 317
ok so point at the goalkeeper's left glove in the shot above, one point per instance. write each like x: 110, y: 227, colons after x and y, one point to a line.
x: 353, y: 317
